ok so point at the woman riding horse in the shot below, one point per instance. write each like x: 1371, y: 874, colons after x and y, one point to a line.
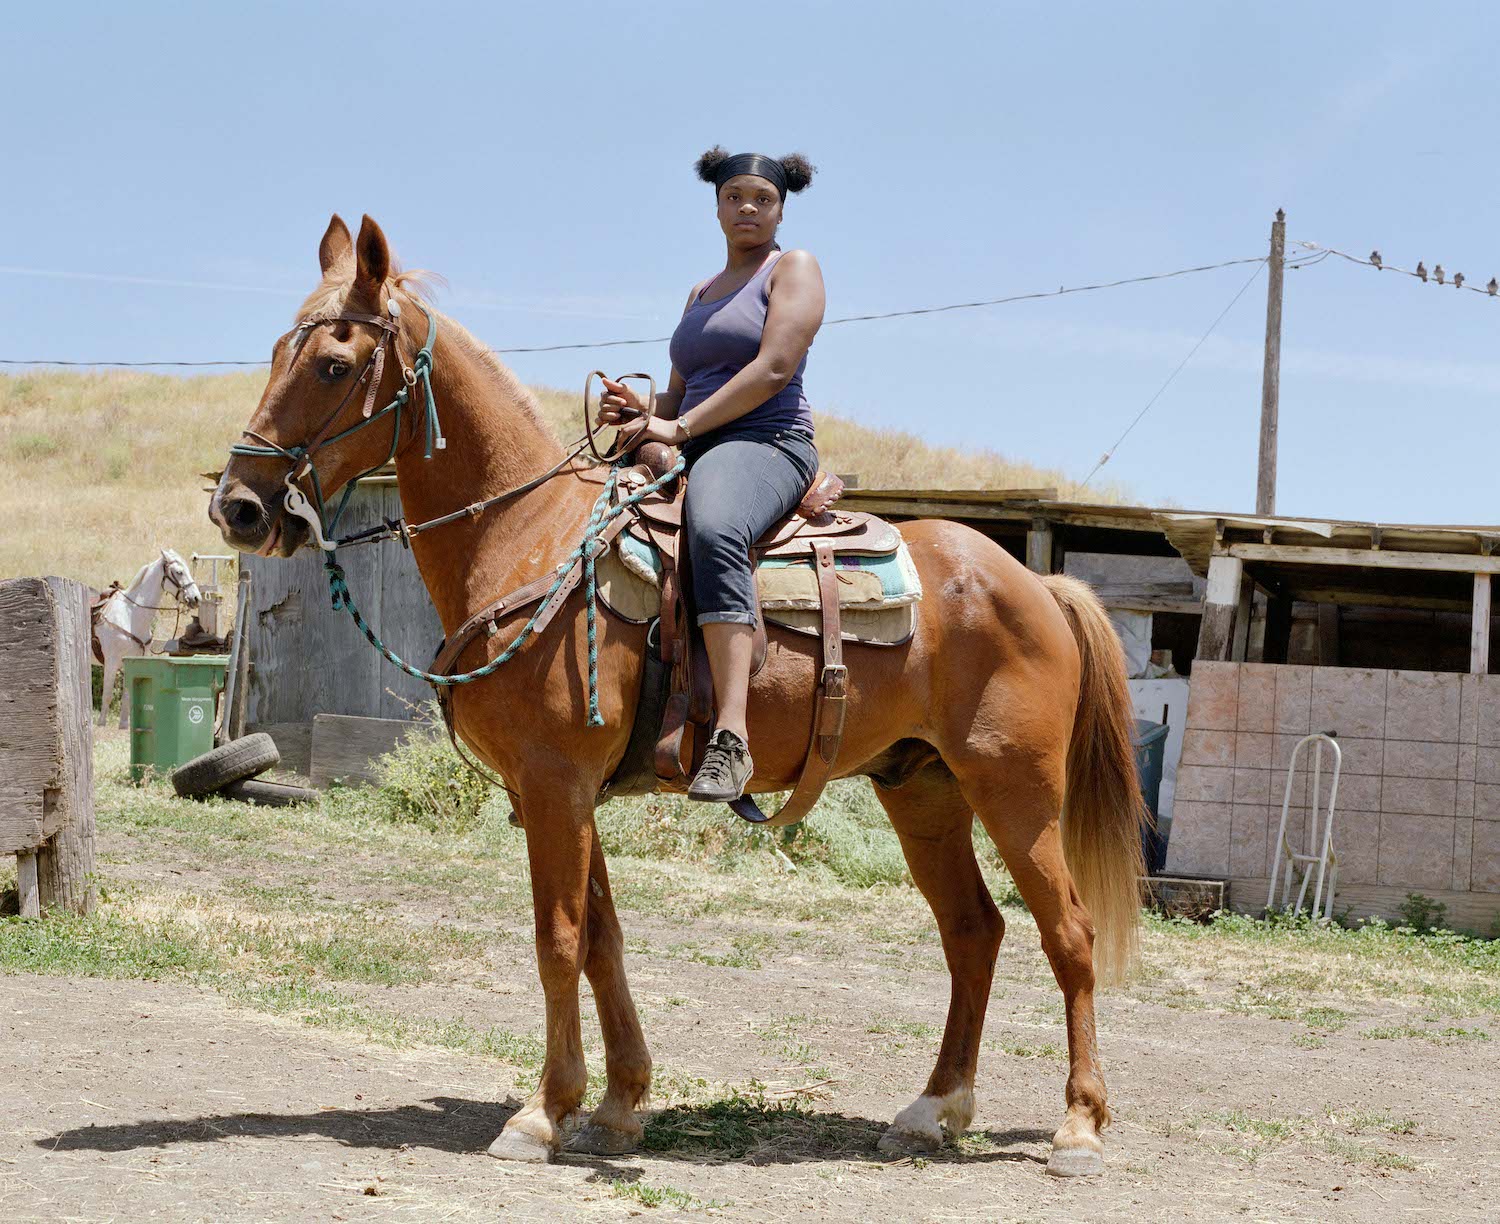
x: 735, y: 405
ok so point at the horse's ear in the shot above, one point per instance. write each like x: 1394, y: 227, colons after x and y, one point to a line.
x: 337, y: 247
x: 374, y: 259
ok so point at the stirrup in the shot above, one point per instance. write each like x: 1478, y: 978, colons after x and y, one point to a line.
x: 747, y: 809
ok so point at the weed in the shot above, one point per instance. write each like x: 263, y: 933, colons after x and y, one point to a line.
x: 1422, y: 913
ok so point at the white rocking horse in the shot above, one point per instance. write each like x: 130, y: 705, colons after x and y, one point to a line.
x: 124, y: 618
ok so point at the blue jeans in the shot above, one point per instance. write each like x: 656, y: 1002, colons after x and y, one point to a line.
x: 737, y: 490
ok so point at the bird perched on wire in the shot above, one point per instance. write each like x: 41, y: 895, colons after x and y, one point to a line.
x: 1437, y: 273
x: 1375, y: 259
x: 1421, y: 271
x: 1493, y: 287
x: 1458, y: 280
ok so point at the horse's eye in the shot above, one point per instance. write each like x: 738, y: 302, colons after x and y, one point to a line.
x: 337, y: 369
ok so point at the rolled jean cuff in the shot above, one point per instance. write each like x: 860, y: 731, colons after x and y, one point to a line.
x: 726, y: 618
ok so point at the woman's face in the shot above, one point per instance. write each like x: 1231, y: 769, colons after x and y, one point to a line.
x: 749, y: 211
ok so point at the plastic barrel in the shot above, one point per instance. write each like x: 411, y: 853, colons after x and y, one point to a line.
x: 1150, y: 743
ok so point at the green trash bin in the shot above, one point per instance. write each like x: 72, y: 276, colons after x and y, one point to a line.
x: 172, y: 703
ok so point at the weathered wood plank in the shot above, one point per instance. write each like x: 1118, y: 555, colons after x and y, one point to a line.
x: 1039, y: 547
x: 345, y: 748
x: 410, y: 627
x: 1217, y: 629
x: 294, y: 741
x: 1375, y: 558
x: 1479, y: 631
x: 1328, y: 635
x: 65, y: 863
x: 308, y: 659
x: 27, y: 888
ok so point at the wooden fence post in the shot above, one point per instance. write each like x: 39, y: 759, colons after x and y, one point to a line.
x: 47, y: 748
x: 1216, y: 633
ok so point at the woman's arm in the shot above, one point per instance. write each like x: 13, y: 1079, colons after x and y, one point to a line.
x: 794, y: 313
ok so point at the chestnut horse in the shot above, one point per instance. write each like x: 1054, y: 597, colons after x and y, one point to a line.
x: 1009, y: 697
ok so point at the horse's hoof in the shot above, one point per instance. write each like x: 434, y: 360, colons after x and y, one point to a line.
x: 1075, y: 1162
x: 518, y: 1145
x: 594, y: 1140
x: 902, y: 1143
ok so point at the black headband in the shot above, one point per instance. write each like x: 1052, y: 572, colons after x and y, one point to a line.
x: 751, y: 163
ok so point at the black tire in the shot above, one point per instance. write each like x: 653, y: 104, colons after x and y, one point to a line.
x: 231, y: 762
x: 269, y: 794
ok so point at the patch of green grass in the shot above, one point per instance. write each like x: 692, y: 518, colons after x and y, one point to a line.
x: 28, y: 446
x: 1397, y: 1032
x: 658, y: 1196
x: 1363, y: 1154
x: 904, y: 1028
x: 1245, y: 1137
x: 1270, y: 962
x: 748, y: 1123
x: 1043, y: 1050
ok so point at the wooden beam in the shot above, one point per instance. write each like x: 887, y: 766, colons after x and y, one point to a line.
x: 1369, y: 558
x: 1278, y: 629
x: 1328, y: 635
x: 1243, y: 611
x: 1479, y: 633
x: 26, y: 885
x: 1224, y: 578
x: 1039, y: 547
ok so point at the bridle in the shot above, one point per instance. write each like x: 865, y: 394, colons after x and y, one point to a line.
x: 302, y: 456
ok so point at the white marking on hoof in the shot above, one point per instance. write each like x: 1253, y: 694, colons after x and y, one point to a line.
x: 1075, y: 1162
x: 919, y: 1127
x: 518, y: 1145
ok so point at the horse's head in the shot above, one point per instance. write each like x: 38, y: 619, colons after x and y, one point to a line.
x: 329, y: 377
x: 178, y: 578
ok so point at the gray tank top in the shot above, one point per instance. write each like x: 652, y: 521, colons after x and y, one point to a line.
x: 715, y: 341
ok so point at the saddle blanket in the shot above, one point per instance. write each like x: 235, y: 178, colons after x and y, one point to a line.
x: 877, y: 594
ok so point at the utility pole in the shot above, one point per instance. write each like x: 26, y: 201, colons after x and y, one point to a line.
x: 1270, y: 386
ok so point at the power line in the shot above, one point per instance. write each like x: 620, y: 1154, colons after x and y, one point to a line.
x: 1109, y: 454
x: 1061, y: 291
x: 1421, y: 272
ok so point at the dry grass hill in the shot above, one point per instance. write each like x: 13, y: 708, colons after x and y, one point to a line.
x: 99, y: 469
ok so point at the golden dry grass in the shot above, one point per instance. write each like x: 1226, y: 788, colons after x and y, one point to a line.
x: 99, y: 469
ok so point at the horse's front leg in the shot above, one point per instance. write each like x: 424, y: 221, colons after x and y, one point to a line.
x: 111, y: 666
x: 124, y: 695
x: 613, y: 1128
x: 559, y: 823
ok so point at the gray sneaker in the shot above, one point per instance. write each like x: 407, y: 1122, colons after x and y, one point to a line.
x: 725, y: 770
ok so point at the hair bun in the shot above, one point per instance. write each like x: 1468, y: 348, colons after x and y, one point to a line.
x: 708, y: 165
x: 798, y: 170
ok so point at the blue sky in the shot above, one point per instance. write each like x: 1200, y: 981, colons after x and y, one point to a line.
x: 539, y: 156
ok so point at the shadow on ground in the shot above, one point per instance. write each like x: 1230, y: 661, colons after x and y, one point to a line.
x: 734, y: 1131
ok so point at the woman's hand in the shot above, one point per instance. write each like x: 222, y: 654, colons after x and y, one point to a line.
x: 618, y: 404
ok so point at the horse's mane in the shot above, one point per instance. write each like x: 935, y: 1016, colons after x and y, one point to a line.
x: 331, y: 297
x: 140, y: 576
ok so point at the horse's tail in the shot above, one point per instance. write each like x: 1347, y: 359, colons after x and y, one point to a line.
x: 1103, y: 811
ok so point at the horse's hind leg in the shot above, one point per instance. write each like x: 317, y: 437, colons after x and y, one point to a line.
x: 1020, y: 807
x: 613, y: 1127
x: 935, y: 825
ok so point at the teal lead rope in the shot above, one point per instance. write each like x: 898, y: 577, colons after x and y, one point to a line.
x: 601, y: 516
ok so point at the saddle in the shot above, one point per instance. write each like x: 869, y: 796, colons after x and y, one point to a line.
x: 96, y: 610
x: 675, y: 711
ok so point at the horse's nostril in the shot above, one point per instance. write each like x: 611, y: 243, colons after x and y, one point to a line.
x: 241, y: 514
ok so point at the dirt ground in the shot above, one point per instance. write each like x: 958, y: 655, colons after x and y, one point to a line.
x: 166, y: 1099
